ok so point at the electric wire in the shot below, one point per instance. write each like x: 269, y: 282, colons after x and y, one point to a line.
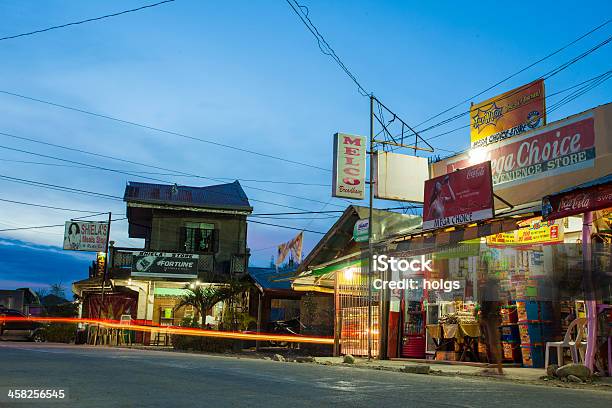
x: 165, y: 131
x: 145, y: 165
x: 85, y: 21
x: 172, y: 174
x: 516, y: 73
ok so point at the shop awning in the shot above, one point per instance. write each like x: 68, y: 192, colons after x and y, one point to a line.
x: 506, y: 220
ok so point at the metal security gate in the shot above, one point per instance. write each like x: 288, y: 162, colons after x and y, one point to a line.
x: 352, y: 293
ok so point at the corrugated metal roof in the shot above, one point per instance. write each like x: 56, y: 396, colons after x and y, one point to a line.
x: 230, y: 195
x: 267, y: 278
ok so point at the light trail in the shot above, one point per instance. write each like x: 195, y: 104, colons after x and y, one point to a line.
x: 186, y: 331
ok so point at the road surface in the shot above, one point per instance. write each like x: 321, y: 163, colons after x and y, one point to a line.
x: 107, y: 377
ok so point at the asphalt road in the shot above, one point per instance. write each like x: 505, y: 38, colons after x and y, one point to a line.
x: 106, y: 377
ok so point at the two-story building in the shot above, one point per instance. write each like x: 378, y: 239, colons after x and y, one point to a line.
x: 192, y: 235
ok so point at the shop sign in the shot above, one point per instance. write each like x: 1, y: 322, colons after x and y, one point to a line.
x: 577, y: 202
x: 165, y: 265
x: 100, y: 263
x: 349, y: 166
x: 361, y: 230
x: 535, y: 231
x: 461, y: 197
x: 507, y: 115
x: 400, y: 177
x: 543, y: 153
x: 85, y: 236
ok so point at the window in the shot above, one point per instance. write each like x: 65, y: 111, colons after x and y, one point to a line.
x: 199, y: 237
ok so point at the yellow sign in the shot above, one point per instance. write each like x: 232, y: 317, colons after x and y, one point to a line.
x: 535, y: 231
x: 509, y: 114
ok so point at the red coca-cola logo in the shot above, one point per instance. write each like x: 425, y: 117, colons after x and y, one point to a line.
x: 575, y: 202
x: 475, y: 172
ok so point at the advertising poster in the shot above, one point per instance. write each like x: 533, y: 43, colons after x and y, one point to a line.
x: 165, y: 265
x: 461, y: 197
x: 509, y: 114
x: 349, y: 166
x: 552, y: 151
x: 535, y: 232
x: 85, y: 236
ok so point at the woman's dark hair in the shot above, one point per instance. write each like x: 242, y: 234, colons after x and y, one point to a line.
x: 78, y: 230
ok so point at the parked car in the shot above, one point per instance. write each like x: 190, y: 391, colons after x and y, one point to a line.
x: 20, y: 329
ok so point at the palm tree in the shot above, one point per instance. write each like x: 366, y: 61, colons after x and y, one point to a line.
x: 200, y: 298
x: 203, y: 298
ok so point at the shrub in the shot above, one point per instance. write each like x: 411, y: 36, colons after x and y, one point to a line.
x: 198, y: 343
x: 61, y: 332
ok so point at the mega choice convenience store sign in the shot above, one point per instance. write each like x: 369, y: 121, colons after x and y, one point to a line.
x: 554, y: 150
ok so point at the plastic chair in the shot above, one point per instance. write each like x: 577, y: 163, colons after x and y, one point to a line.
x: 574, y: 345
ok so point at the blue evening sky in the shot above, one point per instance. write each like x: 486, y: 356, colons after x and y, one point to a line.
x: 249, y: 74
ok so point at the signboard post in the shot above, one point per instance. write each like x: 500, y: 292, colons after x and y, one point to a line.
x: 461, y: 197
x: 349, y: 166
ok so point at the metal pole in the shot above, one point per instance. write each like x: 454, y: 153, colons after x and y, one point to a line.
x: 370, y: 259
x: 105, y: 265
x: 259, y: 317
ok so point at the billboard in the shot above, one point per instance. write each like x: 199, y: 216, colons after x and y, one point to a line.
x: 86, y: 236
x: 349, y: 166
x: 461, y: 197
x: 507, y: 115
x: 551, y: 151
x: 400, y: 177
x: 165, y: 265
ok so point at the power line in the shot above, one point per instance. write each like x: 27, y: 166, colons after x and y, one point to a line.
x: 173, y: 174
x: 324, y: 46
x: 51, y: 207
x: 60, y: 188
x: 286, y: 227
x: 548, y: 110
x: 516, y: 73
x: 160, y: 130
x: 85, y: 21
x: 154, y: 178
x: 47, y: 226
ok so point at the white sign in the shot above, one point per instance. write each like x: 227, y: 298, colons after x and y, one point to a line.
x: 400, y: 177
x: 86, y: 236
x: 349, y: 166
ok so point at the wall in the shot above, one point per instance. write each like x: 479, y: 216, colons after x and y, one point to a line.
x: 166, y: 234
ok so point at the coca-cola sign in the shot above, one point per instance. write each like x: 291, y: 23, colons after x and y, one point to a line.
x: 547, y: 152
x: 577, y: 201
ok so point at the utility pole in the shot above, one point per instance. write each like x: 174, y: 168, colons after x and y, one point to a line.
x: 106, y: 258
x: 370, y: 229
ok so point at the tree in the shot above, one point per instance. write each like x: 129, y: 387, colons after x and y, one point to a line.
x: 57, y: 289
x: 200, y: 298
x: 203, y: 298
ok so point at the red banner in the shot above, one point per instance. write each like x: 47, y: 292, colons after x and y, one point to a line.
x: 544, y: 153
x: 577, y: 202
x: 460, y: 197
